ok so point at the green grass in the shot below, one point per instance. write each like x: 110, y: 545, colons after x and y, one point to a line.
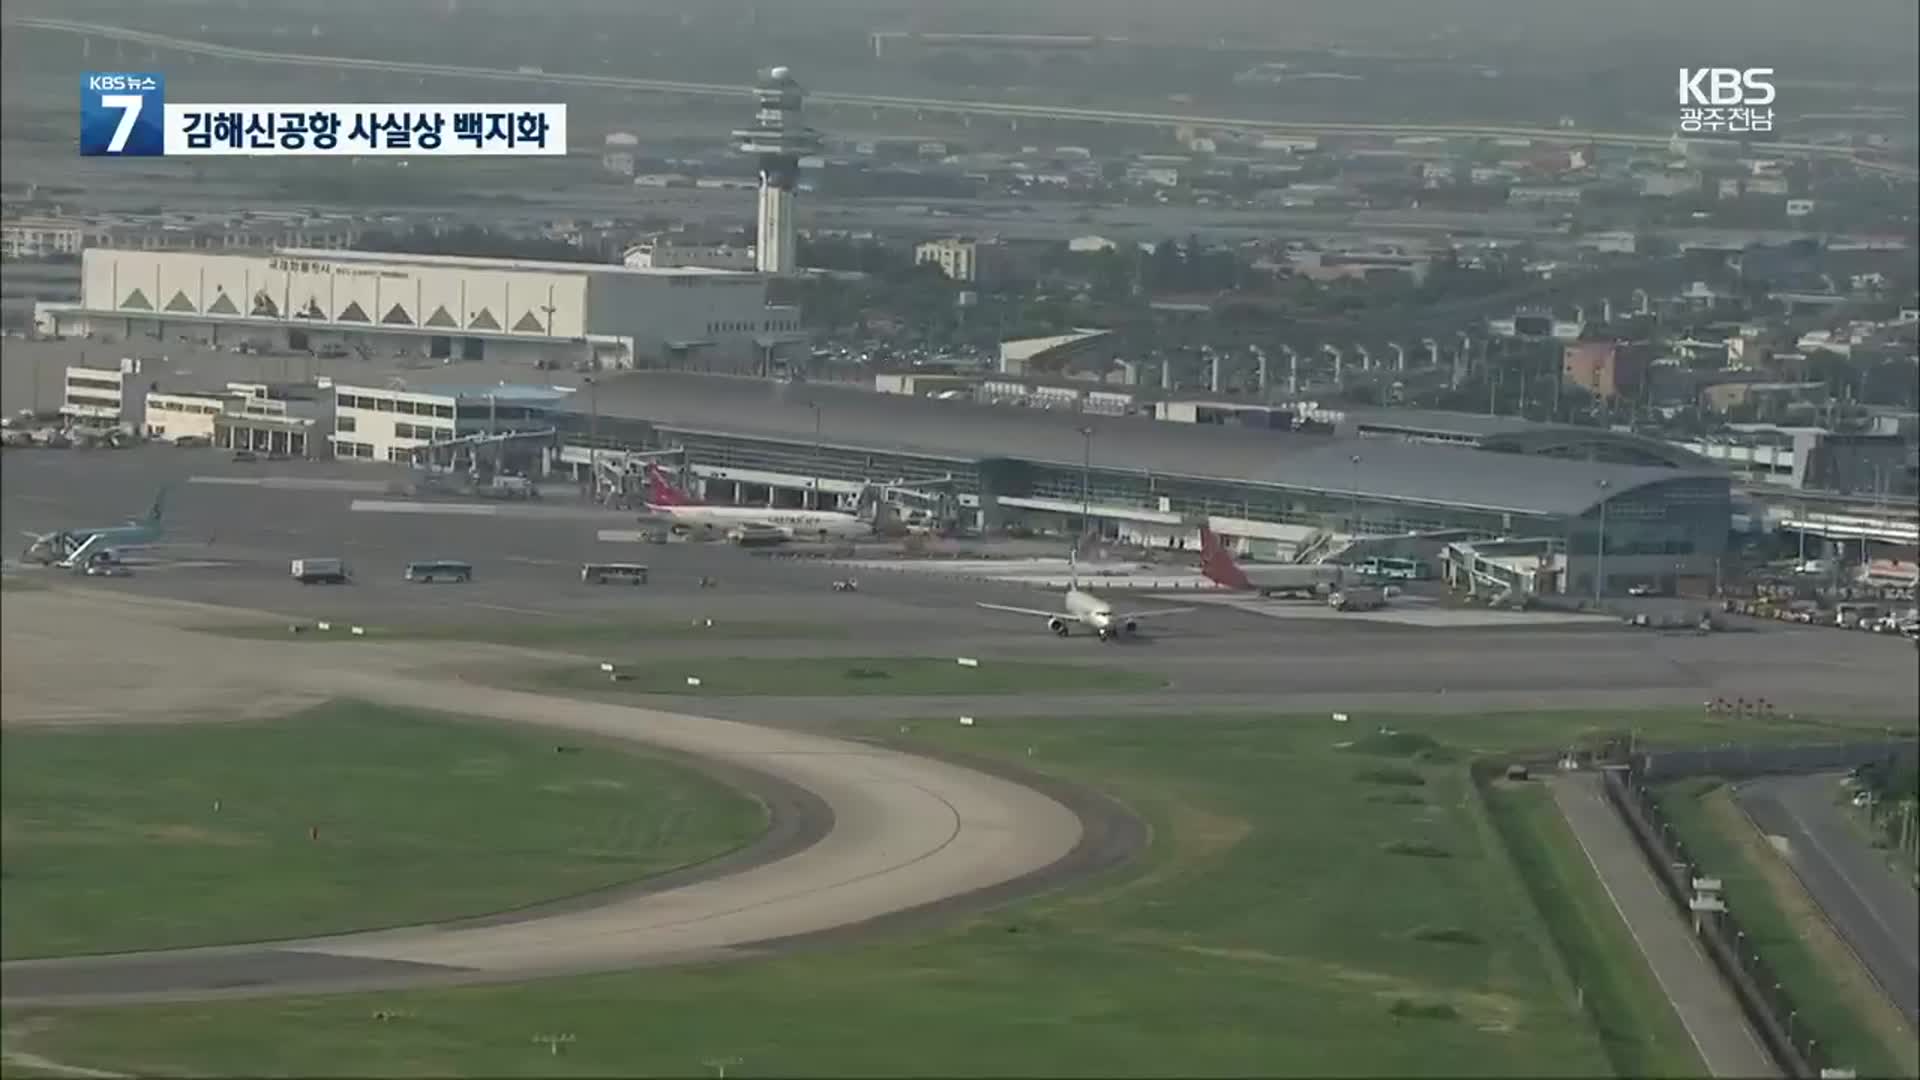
x: 1637, y: 1026
x: 529, y: 632
x: 1265, y: 932
x: 113, y: 841
x: 843, y: 675
x: 1833, y: 995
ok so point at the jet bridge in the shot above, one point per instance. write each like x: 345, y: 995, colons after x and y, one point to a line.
x: 1523, y: 570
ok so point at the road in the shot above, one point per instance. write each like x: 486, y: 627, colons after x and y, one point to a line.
x: 1703, y: 1000
x: 935, y: 105
x: 1874, y: 911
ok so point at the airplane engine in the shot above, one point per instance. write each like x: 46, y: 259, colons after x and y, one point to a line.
x: 1058, y: 626
x: 1131, y: 626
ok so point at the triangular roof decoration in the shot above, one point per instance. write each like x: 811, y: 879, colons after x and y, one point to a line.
x: 529, y: 324
x: 397, y: 316
x: 180, y: 302
x: 484, y: 321
x: 441, y: 318
x: 137, y: 299
x: 222, y: 305
x: 264, y: 305
x: 312, y: 310
x: 353, y: 312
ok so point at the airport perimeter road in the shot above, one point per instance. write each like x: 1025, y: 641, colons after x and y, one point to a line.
x: 890, y: 832
x: 1877, y: 913
x: 1706, y: 1005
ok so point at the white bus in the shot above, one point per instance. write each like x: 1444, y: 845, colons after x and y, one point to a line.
x: 601, y: 573
x: 439, y: 570
x: 1396, y: 569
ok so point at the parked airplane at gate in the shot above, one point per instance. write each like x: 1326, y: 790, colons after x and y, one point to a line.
x: 680, y: 508
x: 1086, y: 609
x: 1310, y: 579
x: 70, y: 548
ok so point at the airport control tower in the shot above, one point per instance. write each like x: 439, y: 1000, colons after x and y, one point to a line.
x: 779, y: 140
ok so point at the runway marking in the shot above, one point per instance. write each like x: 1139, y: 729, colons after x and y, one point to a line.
x: 385, y: 506
x: 290, y: 483
x: 515, y: 610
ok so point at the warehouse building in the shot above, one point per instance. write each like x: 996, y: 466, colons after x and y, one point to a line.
x: 374, y: 304
x: 1277, y: 494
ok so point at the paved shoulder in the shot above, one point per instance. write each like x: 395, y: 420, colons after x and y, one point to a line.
x: 1706, y: 1005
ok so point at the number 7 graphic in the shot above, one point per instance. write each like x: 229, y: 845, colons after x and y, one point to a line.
x: 129, y: 106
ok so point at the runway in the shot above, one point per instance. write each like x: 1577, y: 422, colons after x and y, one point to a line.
x: 229, y: 545
x: 903, y: 836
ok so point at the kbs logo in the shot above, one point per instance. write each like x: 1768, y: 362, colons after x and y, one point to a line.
x: 1732, y: 100
x: 1725, y: 86
x: 121, y: 114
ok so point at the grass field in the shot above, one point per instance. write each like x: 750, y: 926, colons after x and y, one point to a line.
x: 1637, y: 1026
x: 1304, y: 908
x: 534, y: 633
x: 1835, y: 996
x: 845, y: 675
x: 114, y: 840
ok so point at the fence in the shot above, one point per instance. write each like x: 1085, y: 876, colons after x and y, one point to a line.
x: 1762, y: 997
x: 1742, y: 761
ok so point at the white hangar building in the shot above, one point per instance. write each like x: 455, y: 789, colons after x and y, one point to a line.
x: 438, y: 306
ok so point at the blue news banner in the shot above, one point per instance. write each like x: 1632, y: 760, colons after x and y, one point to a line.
x: 125, y: 114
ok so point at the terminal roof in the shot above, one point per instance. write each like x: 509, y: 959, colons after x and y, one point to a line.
x: 850, y: 416
x: 475, y: 262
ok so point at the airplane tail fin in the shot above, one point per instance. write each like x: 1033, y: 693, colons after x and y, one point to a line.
x: 660, y: 490
x: 1073, y: 567
x: 1218, y: 565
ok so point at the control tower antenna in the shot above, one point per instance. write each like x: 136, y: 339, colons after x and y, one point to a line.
x: 779, y: 141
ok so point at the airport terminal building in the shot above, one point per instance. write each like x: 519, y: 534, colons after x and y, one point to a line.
x: 389, y: 305
x: 1277, y: 494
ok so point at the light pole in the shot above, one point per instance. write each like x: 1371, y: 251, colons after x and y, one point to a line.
x: 1086, y: 480
x: 815, y: 406
x: 1600, y: 551
x: 593, y: 437
x: 1353, y: 491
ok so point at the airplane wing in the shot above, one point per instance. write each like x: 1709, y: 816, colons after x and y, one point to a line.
x: 1122, y: 616
x: 1030, y: 611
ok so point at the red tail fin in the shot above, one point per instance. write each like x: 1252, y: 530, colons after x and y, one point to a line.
x: 661, y: 492
x: 1218, y: 565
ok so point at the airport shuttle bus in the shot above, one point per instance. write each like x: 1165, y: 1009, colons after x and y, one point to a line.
x: 1396, y: 569
x: 601, y: 573
x: 439, y: 570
